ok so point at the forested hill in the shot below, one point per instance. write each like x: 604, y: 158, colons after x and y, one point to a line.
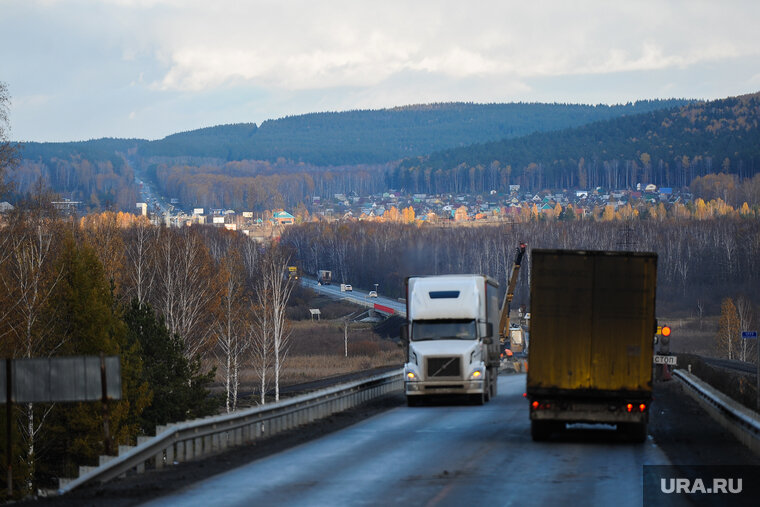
x: 100, y: 172
x: 667, y: 147
x: 356, y: 137
x: 380, y: 136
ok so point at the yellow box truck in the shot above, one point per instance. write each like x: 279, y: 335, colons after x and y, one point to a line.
x: 592, y: 332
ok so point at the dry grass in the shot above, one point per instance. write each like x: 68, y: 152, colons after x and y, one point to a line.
x: 692, y: 335
x: 317, y: 351
x: 305, y: 368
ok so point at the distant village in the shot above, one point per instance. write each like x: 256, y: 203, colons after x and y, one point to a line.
x: 394, y: 206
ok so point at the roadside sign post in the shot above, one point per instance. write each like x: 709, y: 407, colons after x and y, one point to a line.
x: 57, y: 379
x: 669, y: 360
x: 752, y: 335
x: 8, y: 426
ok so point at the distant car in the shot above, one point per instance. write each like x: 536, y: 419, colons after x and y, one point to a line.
x: 349, y: 288
x: 373, y: 294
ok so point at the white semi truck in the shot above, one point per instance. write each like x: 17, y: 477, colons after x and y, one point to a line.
x: 452, y: 349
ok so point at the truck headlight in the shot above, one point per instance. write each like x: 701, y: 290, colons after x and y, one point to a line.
x: 411, y: 373
x: 478, y: 373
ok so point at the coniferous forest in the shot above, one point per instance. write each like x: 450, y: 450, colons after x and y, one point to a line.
x: 292, y: 159
x: 440, y: 148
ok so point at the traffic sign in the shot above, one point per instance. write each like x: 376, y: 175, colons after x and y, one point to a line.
x: 671, y: 360
x: 749, y: 335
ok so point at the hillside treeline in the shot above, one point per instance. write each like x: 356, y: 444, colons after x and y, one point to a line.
x: 327, y: 146
x: 173, y: 304
x: 379, y: 136
x: 669, y: 148
x: 259, y: 186
x: 700, y: 261
x: 96, y: 173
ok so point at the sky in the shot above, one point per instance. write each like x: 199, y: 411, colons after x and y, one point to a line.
x: 86, y: 69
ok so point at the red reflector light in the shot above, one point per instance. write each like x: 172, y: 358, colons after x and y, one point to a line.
x: 534, y: 405
x: 642, y: 407
x: 525, y: 395
x: 629, y: 407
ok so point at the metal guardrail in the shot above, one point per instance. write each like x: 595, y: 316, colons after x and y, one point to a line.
x: 195, y: 439
x: 735, y: 417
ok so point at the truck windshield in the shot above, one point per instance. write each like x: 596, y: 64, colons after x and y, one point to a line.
x: 443, y: 330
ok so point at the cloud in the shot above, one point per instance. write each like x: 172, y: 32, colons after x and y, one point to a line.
x: 163, y: 58
x: 301, y: 45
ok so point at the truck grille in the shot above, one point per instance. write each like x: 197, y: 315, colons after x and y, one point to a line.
x: 443, y: 367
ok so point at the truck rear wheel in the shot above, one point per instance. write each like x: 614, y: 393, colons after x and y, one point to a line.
x: 413, y: 401
x: 540, y: 430
x: 636, y: 432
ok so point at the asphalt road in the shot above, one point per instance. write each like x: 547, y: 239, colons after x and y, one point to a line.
x: 356, y: 296
x: 439, y: 455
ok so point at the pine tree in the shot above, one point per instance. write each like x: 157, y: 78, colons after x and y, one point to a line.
x: 178, y: 387
x: 90, y: 323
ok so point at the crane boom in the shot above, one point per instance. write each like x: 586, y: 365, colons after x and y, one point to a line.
x: 504, y: 321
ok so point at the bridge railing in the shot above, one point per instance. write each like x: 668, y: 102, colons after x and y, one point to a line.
x: 732, y: 415
x: 196, y: 439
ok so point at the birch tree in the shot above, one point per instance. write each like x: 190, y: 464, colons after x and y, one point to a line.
x: 8, y: 151
x: 30, y: 278
x: 228, y: 326
x: 260, y: 338
x: 273, y: 290
x: 140, y: 262
x: 186, y: 288
x: 745, y: 314
x: 728, y: 329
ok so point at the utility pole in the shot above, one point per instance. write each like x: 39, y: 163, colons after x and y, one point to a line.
x: 345, y: 336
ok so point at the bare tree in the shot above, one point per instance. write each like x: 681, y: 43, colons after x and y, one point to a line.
x: 700, y: 311
x: 273, y: 290
x: 186, y: 290
x: 728, y: 329
x: 8, y: 151
x: 141, y: 272
x: 29, y: 278
x: 104, y: 234
x: 260, y: 339
x: 744, y: 312
x: 228, y: 326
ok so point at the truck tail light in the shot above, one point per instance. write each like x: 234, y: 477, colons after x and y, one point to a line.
x: 629, y: 407
x: 534, y: 405
x: 642, y: 407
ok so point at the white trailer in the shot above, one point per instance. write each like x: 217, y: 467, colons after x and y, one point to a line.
x: 452, y: 350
